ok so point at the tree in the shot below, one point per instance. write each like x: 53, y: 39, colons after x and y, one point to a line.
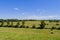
x: 1, y: 21
x: 1, y: 24
x: 42, y: 25
x: 23, y: 24
x: 11, y: 25
x: 7, y: 23
x: 17, y: 25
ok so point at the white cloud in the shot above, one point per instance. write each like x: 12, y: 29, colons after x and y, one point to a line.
x: 16, y: 8
x: 41, y: 17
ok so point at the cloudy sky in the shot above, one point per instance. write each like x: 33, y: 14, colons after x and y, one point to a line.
x: 30, y: 9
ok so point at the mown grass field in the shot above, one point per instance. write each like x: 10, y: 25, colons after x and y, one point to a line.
x: 28, y: 34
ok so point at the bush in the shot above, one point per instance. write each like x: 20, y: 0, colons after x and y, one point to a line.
x: 53, y: 28
x: 27, y: 26
x: 16, y: 26
x: 46, y: 24
x: 57, y: 24
x: 10, y: 26
x: 58, y: 28
x: 5, y: 25
x: 22, y: 26
x: 33, y: 26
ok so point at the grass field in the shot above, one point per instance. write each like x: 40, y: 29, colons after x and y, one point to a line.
x: 30, y: 23
x: 28, y: 34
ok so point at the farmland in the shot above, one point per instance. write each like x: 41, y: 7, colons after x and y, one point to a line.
x: 36, y: 23
x: 28, y: 34
x: 17, y: 33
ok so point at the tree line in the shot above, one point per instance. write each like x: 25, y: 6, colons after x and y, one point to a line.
x: 41, y: 26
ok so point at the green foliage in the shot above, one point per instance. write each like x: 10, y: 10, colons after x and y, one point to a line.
x: 57, y: 24
x: 11, y: 24
x: 27, y: 26
x: 46, y: 24
x: 23, y: 22
x: 58, y: 28
x: 53, y: 20
x: 22, y: 26
x: 1, y: 23
x: 42, y: 25
x: 33, y: 26
x: 17, y: 25
x: 53, y: 28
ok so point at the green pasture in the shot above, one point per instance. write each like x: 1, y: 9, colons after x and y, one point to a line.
x: 36, y: 23
x: 28, y: 34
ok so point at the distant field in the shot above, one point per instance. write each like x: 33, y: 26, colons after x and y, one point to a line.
x: 28, y: 34
x: 30, y: 23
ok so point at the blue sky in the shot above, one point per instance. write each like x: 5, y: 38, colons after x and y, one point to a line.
x: 30, y: 9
